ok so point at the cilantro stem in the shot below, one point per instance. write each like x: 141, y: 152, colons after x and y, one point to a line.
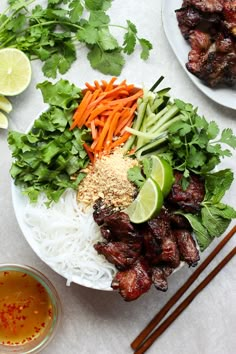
x: 23, y: 6
x: 54, y: 22
x: 7, y: 41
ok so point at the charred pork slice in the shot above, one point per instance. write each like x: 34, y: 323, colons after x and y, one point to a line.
x: 160, y: 226
x: 214, y: 64
x: 190, y: 199
x: 123, y: 255
x: 134, y: 282
x: 188, y: 18
x: 152, y: 247
x: 159, y: 279
x: 206, y: 5
x: 120, y: 226
x: 170, y: 253
x: 179, y: 222
x: 229, y: 12
x: 101, y: 211
x: 187, y: 247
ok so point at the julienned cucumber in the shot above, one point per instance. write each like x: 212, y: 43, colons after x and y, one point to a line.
x: 155, y: 115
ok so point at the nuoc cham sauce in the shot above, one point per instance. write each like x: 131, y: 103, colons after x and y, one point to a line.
x: 25, y: 308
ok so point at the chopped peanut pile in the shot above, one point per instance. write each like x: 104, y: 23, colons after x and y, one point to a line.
x: 107, y: 179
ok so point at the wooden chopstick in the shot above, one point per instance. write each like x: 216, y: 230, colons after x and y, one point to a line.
x: 142, y: 349
x: 160, y: 315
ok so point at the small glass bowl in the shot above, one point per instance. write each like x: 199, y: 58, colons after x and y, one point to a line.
x: 41, y: 340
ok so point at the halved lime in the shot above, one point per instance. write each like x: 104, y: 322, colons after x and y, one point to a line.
x: 3, y: 121
x: 15, y: 71
x: 5, y: 104
x: 162, y: 173
x: 147, y: 204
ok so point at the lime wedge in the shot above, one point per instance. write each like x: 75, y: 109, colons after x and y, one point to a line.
x: 15, y: 71
x: 5, y: 104
x: 3, y: 121
x: 162, y: 173
x: 147, y: 204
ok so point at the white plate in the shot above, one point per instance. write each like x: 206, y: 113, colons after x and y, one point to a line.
x: 224, y: 96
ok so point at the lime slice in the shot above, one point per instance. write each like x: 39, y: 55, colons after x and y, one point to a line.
x: 15, y: 71
x: 3, y: 121
x: 147, y: 204
x: 162, y: 173
x: 5, y: 104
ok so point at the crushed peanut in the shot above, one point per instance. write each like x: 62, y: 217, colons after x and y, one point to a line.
x: 107, y: 179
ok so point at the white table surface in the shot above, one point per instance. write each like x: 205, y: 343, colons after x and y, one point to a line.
x: 98, y: 322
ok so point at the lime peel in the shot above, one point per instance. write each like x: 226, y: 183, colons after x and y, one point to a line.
x: 3, y: 121
x: 5, y: 104
x: 147, y: 204
x: 162, y: 173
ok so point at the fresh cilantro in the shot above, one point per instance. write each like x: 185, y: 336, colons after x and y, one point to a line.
x: 108, y: 62
x: 48, y: 155
x: 197, y: 145
x: 50, y: 33
x: 130, y: 40
x: 106, y: 41
x: 76, y: 10
x: 139, y: 174
x: 146, y: 47
x: 136, y: 176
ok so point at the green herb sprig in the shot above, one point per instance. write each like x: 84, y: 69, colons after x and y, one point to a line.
x: 50, y: 34
x: 48, y: 155
x: 215, y: 216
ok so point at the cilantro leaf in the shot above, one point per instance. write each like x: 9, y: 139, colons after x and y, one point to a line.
x: 50, y: 66
x: 228, y: 138
x: 49, y: 32
x: 135, y: 175
x: 130, y: 38
x: 146, y: 47
x: 88, y: 34
x: 76, y: 10
x: 107, y: 62
x: 98, y: 18
x: 106, y: 41
x: 94, y: 5
x: 212, y: 130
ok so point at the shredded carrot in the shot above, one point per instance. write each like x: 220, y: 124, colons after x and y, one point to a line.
x: 89, y: 152
x: 127, y: 120
x: 93, y: 130
x: 121, y: 140
x: 110, y: 84
x: 98, y: 122
x: 111, y: 131
x: 78, y: 116
x: 106, y: 109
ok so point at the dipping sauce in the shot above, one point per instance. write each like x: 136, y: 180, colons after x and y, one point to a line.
x: 26, y: 310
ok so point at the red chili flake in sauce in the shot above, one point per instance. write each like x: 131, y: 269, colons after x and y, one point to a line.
x: 24, y: 308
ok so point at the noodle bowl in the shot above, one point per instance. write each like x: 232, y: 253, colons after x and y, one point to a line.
x: 65, y: 235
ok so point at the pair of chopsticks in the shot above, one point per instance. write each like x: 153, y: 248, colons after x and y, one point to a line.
x: 148, y: 335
